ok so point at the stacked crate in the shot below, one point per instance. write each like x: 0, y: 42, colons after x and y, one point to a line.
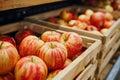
x: 82, y: 68
x: 110, y: 40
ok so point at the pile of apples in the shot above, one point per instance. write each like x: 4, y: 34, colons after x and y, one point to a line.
x: 92, y: 21
x: 29, y: 57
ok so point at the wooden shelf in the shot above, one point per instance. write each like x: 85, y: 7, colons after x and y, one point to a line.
x: 12, y: 4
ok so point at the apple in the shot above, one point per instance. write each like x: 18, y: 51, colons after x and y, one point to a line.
x: 74, y: 16
x: 104, y: 30
x: 66, y: 15
x: 8, y: 39
x: 72, y: 23
x: 31, y: 68
x: 97, y: 19
x: 52, y: 74
x: 8, y: 57
x: 80, y: 26
x: 30, y: 45
x: 108, y: 16
x: 50, y: 36
x: 108, y: 24
x: 73, y: 43
x: 52, y: 19
x: 67, y: 62
x: 54, y: 54
x: 8, y: 76
x: 91, y: 28
x: 89, y: 12
x: 20, y: 35
x: 84, y: 18
x: 61, y: 22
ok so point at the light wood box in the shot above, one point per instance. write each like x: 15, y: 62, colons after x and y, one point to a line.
x: 84, y: 66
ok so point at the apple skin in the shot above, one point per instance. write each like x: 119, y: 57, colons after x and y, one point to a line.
x: 61, y: 22
x: 31, y: 68
x: 52, y: 19
x: 8, y: 57
x: 104, y: 30
x: 8, y: 39
x: 66, y: 15
x: 20, y: 35
x: 30, y: 45
x: 73, y: 43
x: 91, y: 28
x: 84, y: 18
x: 108, y: 16
x: 97, y: 19
x: 108, y: 24
x: 89, y: 12
x: 74, y: 16
x: 54, y: 55
x: 8, y: 76
x: 48, y: 36
x: 67, y: 62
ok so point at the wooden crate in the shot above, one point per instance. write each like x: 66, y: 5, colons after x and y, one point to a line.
x: 12, y: 4
x: 84, y: 65
x: 110, y: 40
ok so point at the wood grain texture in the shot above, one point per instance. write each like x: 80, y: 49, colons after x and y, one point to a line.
x: 11, y: 4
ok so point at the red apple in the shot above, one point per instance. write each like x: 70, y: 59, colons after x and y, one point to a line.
x: 52, y: 74
x: 50, y: 36
x: 8, y: 57
x: 74, y: 16
x: 54, y: 54
x: 73, y: 43
x: 91, y: 28
x: 8, y: 76
x: 31, y: 68
x: 8, y: 39
x: 66, y: 15
x: 108, y: 16
x: 84, y: 18
x: 97, y: 19
x: 20, y: 35
x: 108, y: 24
x: 30, y: 45
x: 52, y: 19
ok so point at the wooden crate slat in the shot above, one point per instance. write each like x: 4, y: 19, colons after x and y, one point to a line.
x: 87, y: 73
x: 110, y: 43
x: 79, y: 63
x: 9, y: 28
x: 109, y: 56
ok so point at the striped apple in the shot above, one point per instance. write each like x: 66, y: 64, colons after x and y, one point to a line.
x: 8, y: 57
x: 73, y: 43
x: 31, y: 68
x: 54, y: 54
x: 50, y: 36
x: 30, y: 45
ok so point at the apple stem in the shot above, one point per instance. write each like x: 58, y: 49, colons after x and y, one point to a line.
x: 52, y: 46
x: 1, y: 44
x: 32, y: 59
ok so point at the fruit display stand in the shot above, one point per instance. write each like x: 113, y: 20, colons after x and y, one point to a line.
x: 110, y: 40
x: 82, y: 68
